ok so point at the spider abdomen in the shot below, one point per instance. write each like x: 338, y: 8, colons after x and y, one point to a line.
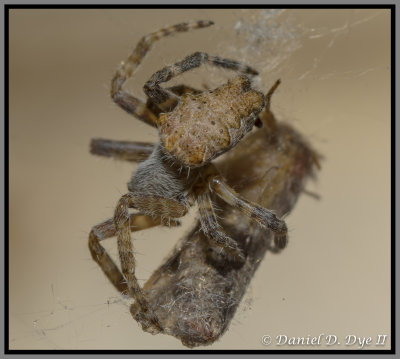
x: 204, y: 126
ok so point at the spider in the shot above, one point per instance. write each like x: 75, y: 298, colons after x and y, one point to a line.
x: 194, y: 128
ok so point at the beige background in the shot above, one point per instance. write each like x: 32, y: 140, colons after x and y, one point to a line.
x: 334, y: 278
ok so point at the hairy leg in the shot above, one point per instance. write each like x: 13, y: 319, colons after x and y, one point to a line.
x: 122, y: 150
x: 211, y: 228
x: 148, y: 319
x: 125, y: 282
x: 160, y: 208
x: 159, y: 95
x: 125, y: 100
x: 106, y: 230
x: 263, y: 216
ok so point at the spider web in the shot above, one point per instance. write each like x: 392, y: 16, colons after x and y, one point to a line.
x: 270, y: 37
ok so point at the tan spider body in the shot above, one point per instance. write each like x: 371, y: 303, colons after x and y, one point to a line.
x: 194, y: 127
x: 203, y: 126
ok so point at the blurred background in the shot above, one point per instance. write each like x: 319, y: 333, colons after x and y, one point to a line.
x: 334, y: 277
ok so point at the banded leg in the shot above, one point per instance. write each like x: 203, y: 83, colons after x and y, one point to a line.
x: 145, y: 316
x: 158, y: 94
x: 212, y: 229
x: 148, y: 320
x: 106, y: 230
x: 122, y: 282
x: 263, y: 216
x: 128, y: 102
x: 121, y: 150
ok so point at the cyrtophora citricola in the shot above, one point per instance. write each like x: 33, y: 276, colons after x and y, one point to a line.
x: 241, y: 199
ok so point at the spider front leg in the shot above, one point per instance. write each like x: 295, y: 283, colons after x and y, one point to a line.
x: 265, y: 217
x: 159, y: 95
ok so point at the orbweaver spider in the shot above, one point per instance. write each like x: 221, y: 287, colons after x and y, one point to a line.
x: 194, y: 127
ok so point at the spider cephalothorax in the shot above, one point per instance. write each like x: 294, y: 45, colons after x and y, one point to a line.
x: 194, y: 127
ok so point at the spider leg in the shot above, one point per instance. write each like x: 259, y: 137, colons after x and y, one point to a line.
x: 266, y: 117
x: 145, y: 316
x: 270, y: 93
x: 170, y: 104
x: 263, y: 216
x: 122, y: 150
x: 158, y: 94
x: 125, y: 282
x: 99, y: 232
x: 148, y: 319
x: 133, y: 106
x: 212, y: 229
x: 182, y: 89
x: 106, y: 230
x: 125, y: 100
